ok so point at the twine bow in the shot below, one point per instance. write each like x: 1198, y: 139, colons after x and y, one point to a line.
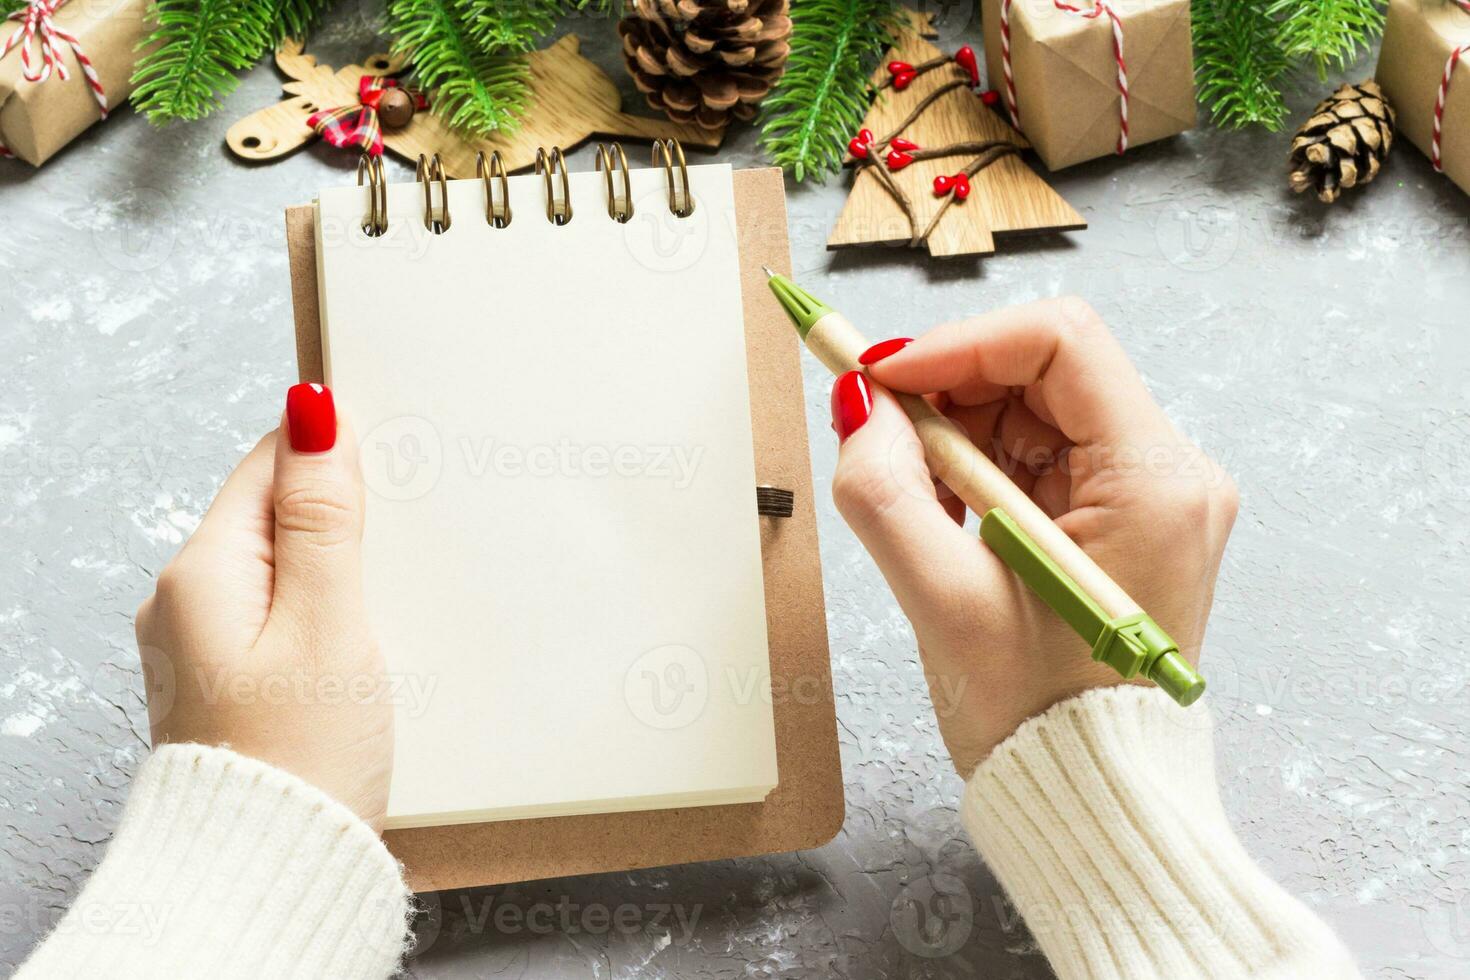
x: 35, y: 20
x: 358, y: 125
x: 1444, y: 91
x: 1099, y: 7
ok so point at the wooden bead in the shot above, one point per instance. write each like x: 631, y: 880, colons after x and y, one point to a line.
x: 395, y: 108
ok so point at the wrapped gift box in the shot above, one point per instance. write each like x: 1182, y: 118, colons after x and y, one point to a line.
x: 1066, y: 74
x: 1418, y: 39
x: 38, y: 118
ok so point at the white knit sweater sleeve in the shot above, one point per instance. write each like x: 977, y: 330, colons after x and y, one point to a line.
x: 1102, y: 820
x: 225, y: 867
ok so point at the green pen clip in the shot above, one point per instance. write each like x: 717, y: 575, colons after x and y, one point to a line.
x: 1131, y: 645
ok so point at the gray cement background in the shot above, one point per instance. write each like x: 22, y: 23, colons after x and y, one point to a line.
x: 1321, y: 354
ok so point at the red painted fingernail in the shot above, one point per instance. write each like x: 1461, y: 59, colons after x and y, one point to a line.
x: 882, y: 349
x: 852, y: 403
x: 311, y: 418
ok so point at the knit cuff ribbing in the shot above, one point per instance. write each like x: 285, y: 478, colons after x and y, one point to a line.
x: 225, y: 867
x: 1102, y: 820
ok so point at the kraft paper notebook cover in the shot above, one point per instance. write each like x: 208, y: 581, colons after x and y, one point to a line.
x: 805, y: 808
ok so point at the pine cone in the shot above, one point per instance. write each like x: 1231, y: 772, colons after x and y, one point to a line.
x: 703, y: 61
x: 1345, y: 141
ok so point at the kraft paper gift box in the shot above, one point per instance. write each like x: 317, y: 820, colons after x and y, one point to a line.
x: 37, y: 118
x: 1418, y: 39
x: 1065, y: 72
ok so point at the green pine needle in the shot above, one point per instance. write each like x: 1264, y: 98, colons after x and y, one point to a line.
x: 1238, y: 64
x: 294, y: 18
x: 474, y: 89
x: 509, y: 25
x: 822, y: 98
x: 1329, y: 32
x: 201, y: 45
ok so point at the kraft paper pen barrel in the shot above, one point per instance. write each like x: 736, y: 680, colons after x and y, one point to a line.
x: 1122, y: 635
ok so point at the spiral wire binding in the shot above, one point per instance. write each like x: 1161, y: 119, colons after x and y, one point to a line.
x: 770, y: 501
x: 605, y: 163
x: 498, y: 217
x: 428, y: 171
x: 371, y: 167
x: 665, y: 154
x: 491, y: 170
x: 557, y: 212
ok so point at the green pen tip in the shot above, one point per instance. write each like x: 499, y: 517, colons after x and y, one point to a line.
x: 1178, y: 679
x: 803, y: 308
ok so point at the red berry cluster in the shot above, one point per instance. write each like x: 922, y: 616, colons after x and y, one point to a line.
x: 899, y: 152
x: 958, y: 183
x: 904, y: 73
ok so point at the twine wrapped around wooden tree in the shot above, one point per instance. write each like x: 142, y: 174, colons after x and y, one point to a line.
x: 935, y: 166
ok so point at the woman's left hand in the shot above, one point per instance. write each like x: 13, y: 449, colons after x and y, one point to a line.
x: 256, y: 636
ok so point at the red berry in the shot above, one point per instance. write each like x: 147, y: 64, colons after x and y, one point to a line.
x: 902, y: 80
x: 897, y: 159
x: 942, y: 185
x: 899, y: 143
x: 961, y: 187
x: 857, y: 148
x: 965, y: 58
x: 990, y: 98
x: 899, y: 67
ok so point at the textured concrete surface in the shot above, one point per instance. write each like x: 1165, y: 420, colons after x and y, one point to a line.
x: 1322, y: 354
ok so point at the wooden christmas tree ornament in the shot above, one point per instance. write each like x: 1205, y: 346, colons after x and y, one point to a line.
x: 936, y: 167
x: 571, y: 100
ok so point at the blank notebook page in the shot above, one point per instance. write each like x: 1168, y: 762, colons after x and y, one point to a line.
x: 562, y: 556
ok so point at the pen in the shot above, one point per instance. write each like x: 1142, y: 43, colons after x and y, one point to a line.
x: 1051, y: 564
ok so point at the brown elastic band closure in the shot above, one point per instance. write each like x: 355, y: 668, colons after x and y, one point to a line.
x: 774, y: 502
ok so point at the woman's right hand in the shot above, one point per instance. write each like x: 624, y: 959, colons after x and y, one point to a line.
x: 1047, y: 392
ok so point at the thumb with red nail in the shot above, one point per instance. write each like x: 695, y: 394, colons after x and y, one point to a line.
x: 266, y: 596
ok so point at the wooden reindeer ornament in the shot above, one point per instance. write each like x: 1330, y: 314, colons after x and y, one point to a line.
x: 571, y: 100
x: 936, y: 168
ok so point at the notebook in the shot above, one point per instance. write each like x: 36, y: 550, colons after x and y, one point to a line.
x: 562, y: 557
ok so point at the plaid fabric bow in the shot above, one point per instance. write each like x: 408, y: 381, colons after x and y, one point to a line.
x: 358, y: 125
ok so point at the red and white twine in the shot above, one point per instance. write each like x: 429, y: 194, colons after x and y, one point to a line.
x: 35, y: 20
x: 1099, y: 7
x: 1444, y: 91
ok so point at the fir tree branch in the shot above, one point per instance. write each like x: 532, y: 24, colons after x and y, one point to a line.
x: 475, y: 90
x: 201, y: 44
x: 1330, y: 32
x: 822, y: 98
x: 1238, y: 64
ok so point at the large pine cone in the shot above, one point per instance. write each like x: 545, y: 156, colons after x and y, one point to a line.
x: 704, y: 61
x: 1345, y: 141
